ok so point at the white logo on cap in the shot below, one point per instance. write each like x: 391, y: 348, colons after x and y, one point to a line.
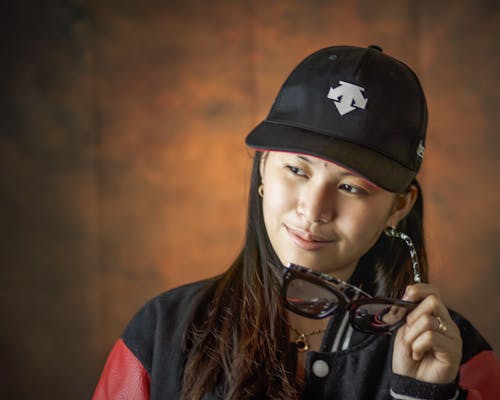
x: 347, y: 97
x: 420, y: 150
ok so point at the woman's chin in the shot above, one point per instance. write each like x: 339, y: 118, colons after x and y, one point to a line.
x: 308, y: 262
x: 343, y: 272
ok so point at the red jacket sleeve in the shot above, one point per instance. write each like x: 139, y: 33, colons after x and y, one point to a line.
x: 480, y: 376
x: 123, y: 376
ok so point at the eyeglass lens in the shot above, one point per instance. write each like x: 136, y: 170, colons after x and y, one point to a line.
x: 377, y: 317
x: 310, y: 298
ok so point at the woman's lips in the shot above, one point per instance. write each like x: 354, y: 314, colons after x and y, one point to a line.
x: 306, y: 240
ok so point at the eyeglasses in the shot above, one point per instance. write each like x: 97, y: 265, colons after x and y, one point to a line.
x: 316, y: 295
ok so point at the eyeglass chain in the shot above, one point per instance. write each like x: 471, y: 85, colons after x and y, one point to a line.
x: 301, y: 340
x: 392, y: 232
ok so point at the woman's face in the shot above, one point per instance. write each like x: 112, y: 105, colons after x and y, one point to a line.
x: 322, y: 216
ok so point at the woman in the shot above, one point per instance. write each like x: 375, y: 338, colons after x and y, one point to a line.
x: 333, y: 191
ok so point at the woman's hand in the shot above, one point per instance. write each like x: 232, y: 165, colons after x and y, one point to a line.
x: 428, y: 347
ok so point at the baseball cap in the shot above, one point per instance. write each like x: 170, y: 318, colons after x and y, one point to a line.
x: 357, y: 107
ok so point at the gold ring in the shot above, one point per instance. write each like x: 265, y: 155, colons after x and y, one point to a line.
x: 442, y: 327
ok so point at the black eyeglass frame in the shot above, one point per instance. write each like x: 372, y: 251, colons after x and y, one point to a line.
x: 356, y: 298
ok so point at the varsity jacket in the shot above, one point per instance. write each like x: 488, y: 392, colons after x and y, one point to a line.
x: 147, y: 361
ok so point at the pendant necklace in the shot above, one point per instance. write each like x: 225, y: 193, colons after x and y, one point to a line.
x: 301, y: 340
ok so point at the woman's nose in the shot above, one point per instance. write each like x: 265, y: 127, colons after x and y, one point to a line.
x: 317, y: 203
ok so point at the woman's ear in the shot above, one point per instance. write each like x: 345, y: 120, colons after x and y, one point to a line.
x: 403, y: 203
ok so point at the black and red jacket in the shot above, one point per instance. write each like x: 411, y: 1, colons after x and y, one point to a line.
x: 147, y: 361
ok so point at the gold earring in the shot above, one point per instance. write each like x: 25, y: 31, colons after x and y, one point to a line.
x: 260, y: 190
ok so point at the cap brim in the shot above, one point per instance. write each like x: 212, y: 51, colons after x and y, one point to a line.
x: 383, y: 171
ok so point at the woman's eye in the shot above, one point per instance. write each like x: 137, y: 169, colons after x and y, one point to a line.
x: 352, y: 189
x: 296, y: 170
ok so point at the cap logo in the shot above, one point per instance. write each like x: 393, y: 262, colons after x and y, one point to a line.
x: 347, y: 97
x: 420, y: 150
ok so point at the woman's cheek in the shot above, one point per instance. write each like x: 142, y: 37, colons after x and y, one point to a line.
x: 278, y: 198
x: 361, y: 225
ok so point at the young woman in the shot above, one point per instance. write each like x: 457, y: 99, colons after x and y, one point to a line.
x: 326, y: 299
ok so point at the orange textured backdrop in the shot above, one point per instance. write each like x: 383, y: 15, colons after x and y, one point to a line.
x: 124, y: 173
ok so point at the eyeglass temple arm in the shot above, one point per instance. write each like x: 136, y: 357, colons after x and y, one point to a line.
x: 413, y: 253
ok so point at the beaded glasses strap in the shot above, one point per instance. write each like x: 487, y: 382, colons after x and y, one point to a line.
x: 392, y: 232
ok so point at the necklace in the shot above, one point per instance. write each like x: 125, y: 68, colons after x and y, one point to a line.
x: 301, y: 340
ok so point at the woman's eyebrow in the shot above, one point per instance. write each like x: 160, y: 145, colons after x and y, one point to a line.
x: 305, y: 159
x: 345, y: 172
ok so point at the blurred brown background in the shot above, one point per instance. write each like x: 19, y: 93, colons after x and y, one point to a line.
x: 123, y: 170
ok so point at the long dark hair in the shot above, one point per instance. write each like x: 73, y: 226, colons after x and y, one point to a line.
x: 240, y: 343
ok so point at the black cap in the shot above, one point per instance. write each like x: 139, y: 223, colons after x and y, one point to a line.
x: 357, y: 107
